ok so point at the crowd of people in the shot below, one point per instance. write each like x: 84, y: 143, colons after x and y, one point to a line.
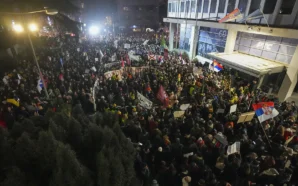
x: 183, y: 133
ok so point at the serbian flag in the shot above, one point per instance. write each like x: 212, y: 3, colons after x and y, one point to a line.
x: 162, y: 96
x: 217, y: 66
x: 236, y: 14
x: 265, y: 110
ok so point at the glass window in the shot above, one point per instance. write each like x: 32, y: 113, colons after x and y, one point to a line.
x: 268, y: 47
x: 170, y: 7
x: 187, y: 6
x: 255, y: 4
x: 287, y: 6
x: 269, y: 6
x: 213, y: 6
x: 222, y: 6
x: 242, y: 5
x: 199, y: 6
x: 125, y: 8
x: 174, y: 8
x: 182, y: 7
x: 231, y: 6
x: 206, y: 6
x: 211, y: 40
x: 193, y: 6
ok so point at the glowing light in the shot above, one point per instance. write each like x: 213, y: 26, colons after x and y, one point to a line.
x: 18, y: 28
x: 33, y: 27
x: 94, y: 30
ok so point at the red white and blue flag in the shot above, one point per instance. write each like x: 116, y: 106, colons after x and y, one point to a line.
x: 265, y: 111
x: 217, y: 66
x: 236, y: 14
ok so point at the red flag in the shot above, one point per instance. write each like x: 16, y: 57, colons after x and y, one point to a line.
x: 231, y: 16
x: 166, y: 54
x: 127, y: 60
x: 122, y: 62
x: 162, y: 96
x: 61, y: 77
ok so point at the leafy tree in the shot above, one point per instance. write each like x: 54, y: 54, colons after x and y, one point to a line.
x: 14, y: 176
x: 59, y: 149
x: 68, y: 170
x: 103, y: 169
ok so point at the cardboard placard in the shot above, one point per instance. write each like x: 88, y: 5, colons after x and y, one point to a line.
x: 234, y: 148
x: 179, y: 114
x: 246, y: 117
x: 184, y: 107
x: 233, y: 108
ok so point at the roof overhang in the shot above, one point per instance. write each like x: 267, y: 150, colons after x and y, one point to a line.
x: 248, y: 64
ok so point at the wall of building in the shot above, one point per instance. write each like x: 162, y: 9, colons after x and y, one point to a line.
x: 139, y: 13
x: 276, y: 12
x: 275, y: 44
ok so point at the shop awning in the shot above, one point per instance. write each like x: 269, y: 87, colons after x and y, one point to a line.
x: 248, y: 64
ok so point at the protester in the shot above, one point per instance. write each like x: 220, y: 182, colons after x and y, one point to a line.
x: 176, y: 112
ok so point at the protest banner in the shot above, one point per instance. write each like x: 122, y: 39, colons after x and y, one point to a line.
x: 235, y: 148
x: 184, y: 107
x: 143, y: 101
x: 178, y: 114
x: 233, y: 108
x: 127, y: 46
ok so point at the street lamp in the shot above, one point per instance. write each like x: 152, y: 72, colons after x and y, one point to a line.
x: 32, y: 27
x: 94, y: 30
x: 18, y: 28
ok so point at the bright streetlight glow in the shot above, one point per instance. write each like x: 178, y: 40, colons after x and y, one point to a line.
x: 33, y: 27
x: 18, y: 28
x: 94, y: 30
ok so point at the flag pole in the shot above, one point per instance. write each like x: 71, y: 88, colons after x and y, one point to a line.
x: 265, y: 135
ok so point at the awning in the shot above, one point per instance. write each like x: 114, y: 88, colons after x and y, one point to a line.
x: 248, y: 64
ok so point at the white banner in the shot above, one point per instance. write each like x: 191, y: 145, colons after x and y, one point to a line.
x: 108, y: 65
x: 127, y: 46
x: 144, y: 102
x: 233, y: 108
x: 94, y: 69
x: 234, y: 148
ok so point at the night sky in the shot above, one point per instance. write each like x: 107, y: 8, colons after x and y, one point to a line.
x: 97, y: 10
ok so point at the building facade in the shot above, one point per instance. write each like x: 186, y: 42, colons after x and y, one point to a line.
x: 138, y: 14
x: 264, y: 48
